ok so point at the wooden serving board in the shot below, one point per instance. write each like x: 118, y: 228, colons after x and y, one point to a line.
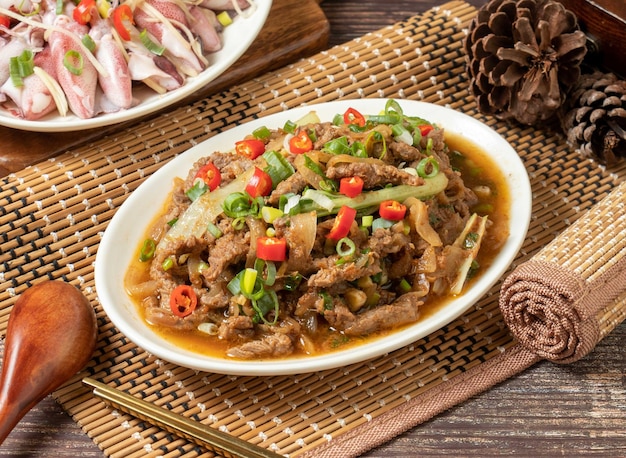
x: 294, y: 29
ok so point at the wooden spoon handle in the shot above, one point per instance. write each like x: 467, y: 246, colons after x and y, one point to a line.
x: 51, y: 335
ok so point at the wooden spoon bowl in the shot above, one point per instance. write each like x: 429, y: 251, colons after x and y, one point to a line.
x: 51, y: 335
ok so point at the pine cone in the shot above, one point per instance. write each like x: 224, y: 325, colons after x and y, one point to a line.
x: 594, y: 118
x: 522, y: 58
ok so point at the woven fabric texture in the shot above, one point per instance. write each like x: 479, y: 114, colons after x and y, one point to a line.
x: 52, y: 217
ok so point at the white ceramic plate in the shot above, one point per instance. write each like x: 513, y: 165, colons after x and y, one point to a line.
x: 126, y: 230
x: 237, y: 38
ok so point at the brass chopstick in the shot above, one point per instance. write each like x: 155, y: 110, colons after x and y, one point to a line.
x: 203, y: 435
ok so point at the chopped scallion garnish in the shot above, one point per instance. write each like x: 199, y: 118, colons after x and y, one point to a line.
x: 345, y: 247
x: 73, y: 62
x: 150, y: 45
x: 89, y: 43
x: 427, y: 167
x: 20, y: 67
x: 261, y: 133
x: 147, y: 250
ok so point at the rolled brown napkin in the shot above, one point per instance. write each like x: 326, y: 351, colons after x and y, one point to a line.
x: 572, y: 293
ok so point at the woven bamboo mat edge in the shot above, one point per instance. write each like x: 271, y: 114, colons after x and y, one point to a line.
x: 303, y: 412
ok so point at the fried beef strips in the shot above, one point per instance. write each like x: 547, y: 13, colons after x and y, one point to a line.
x: 380, y: 285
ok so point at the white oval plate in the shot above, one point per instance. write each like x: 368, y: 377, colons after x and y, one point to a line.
x: 127, y: 228
x: 237, y: 38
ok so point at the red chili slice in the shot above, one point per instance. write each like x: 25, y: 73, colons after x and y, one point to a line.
x: 343, y: 221
x: 260, y: 183
x: 392, y: 210
x: 352, y: 116
x: 425, y: 129
x: 210, y: 174
x: 123, y: 14
x: 271, y: 248
x: 351, y: 186
x: 250, y: 148
x: 183, y: 301
x: 300, y: 143
x: 82, y: 12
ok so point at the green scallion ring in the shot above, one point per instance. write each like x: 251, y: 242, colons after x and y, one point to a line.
x: 239, y: 223
x: 73, y: 61
x: 345, y: 247
x: 147, y: 250
x: 426, y: 164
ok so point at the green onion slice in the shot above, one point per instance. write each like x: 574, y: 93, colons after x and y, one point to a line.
x: 150, y: 45
x: 147, y: 250
x: 73, y: 61
x: 89, y: 43
x: 290, y: 127
x: 214, y: 230
x: 237, y: 204
x: 337, y: 146
x: 261, y: 133
x: 427, y: 167
x: 345, y: 247
x: 264, y: 305
x: 278, y: 168
x: 268, y: 268
x: 404, y: 286
x: 20, y: 67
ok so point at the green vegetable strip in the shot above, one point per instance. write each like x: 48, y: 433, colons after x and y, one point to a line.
x: 337, y: 146
x: 20, y: 67
x: 89, y: 43
x: 369, y: 199
x: 290, y: 127
x: 265, y: 304
x: 150, y: 45
x: 261, y: 133
x: 313, y: 166
x: 278, y: 168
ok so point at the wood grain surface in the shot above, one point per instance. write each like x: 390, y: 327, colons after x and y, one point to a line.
x: 549, y: 410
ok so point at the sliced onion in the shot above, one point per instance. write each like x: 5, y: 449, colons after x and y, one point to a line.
x: 418, y: 218
x: 194, y: 221
x: 347, y: 159
x: 319, y: 198
x: 302, y: 232
x: 311, y: 177
x: 209, y: 328
x: 286, y: 140
x: 257, y: 229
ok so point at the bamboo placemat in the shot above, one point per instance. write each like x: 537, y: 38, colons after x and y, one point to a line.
x: 52, y: 217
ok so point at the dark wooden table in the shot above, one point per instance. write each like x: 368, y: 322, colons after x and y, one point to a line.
x: 549, y: 410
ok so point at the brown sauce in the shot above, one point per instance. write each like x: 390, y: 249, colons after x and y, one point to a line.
x: 477, y: 169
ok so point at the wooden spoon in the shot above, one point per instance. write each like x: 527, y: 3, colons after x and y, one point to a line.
x: 51, y: 335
